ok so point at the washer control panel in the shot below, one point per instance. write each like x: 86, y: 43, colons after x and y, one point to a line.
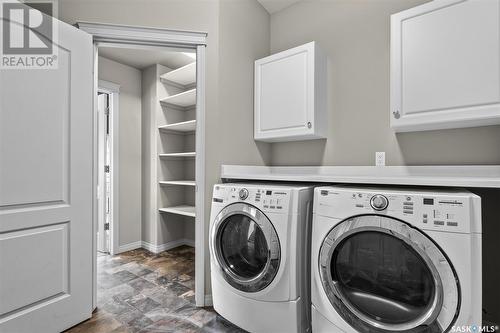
x: 446, y: 211
x: 270, y: 198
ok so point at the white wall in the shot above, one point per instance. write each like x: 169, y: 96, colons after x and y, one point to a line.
x: 129, y: 79
x: 355, y: 36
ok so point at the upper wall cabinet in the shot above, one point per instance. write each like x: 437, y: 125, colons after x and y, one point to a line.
x: 290, y: 95
x: 445, y: 65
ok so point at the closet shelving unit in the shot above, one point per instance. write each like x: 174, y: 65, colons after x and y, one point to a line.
x: 176, y: 146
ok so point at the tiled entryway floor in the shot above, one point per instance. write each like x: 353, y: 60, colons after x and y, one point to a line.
x: 139, y: 291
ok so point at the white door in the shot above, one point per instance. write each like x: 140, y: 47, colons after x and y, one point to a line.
x: 445, y: 65
x: 46, y: 190
x: 103, y: 175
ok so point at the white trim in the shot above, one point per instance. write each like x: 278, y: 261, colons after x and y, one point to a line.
x: 200, y: 242
x: 129, y: 247
x: 208, y: 300
x: 142, y: 35
x: 166, y: 246
x: 94, y: 179
x: 425, y: 175
x: 139, y: 37
x: 113, y: 90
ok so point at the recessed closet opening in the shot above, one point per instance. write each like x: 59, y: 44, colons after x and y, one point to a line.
x: 147, y: 169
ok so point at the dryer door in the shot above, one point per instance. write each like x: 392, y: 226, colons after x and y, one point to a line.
x: 382, y: 275
x: 246, y: 247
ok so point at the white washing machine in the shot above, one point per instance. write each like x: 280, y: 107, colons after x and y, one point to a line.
x: 259, y: 255
x: 395, y: 260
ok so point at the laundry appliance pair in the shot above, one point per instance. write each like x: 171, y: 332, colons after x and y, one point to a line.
x: 372, y: 259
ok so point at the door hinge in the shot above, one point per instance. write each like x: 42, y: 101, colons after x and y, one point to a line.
x: 106, y: 111
x: 106, y: 168
x: 106, y: 226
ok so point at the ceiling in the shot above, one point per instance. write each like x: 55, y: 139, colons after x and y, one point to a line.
x: 141, y: 58
x: 273, y: 6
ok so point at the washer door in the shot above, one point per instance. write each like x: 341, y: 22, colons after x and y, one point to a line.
x: 382, y: 275
x: 246, y: 247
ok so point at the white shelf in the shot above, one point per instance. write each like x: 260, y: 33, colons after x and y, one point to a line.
x: 183, y: 100
x: 178, y: 155
x: 180, y: 210
x: 445, y: 175
x: 184, y: 76
x: 178, y: 182
x: 185, y: 126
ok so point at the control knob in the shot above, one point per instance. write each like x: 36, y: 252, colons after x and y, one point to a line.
x: 243, y: 193
x: 379, y: 202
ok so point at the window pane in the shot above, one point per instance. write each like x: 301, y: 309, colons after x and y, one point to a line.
x: 244, y: 246
x: 383, y: 277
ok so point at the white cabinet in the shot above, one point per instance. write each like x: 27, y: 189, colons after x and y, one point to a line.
x: 290, y: 95
x: 445, y: 65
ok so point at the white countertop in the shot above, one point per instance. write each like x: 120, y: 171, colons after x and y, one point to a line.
x: 457, y: 176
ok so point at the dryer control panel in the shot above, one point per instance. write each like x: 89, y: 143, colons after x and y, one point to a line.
x: 451, y: 211
x: 266, y: 198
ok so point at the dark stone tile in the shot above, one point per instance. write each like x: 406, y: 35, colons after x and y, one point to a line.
x: 143, y: 303
x: 163, y: 280
x: 116, y: 307
x: 137, y: 324
x: 219, y: 324
x: 170, y: 325
x: 124, y: 276
x: 168, y: 300
x: 178, y: 288
x: 140, y: 284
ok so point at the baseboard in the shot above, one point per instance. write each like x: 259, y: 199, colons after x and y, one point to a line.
x: 208, y: 300
x: 167, y: 246
x: 129, y: 247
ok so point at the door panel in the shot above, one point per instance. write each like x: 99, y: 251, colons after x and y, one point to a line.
x: 46, y: 191
x: 41, y: 274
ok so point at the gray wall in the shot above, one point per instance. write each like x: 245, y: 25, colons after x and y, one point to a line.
x: 355, y: 36
x: 243, y: 37
x: 129, y: 131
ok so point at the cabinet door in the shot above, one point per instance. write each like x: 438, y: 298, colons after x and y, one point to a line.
x: 445, y: 69
x: 285, y: 98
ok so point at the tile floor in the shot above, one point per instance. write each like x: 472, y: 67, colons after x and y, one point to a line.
x: 138, y: 291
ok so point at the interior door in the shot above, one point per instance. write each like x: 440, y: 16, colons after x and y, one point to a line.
x: 46, y: 191
x: 102, y: 229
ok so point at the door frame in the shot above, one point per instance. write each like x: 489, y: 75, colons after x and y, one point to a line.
x: 110, y: 34
x: 113, y: 90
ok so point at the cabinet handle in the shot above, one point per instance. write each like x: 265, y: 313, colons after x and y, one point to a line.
x: 309, y: 125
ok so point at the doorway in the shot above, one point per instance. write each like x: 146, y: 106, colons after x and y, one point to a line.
x: 172, y: 126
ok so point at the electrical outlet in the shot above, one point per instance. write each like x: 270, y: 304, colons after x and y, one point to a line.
x: 380, y: 158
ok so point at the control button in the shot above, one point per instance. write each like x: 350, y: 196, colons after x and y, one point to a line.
x: 360, y: 195
x: 408, y: 207
x: 266, y: 206
x: 272, y: 207
x: 408, y: 203
x: 439, y: 222
x: 243, y: 194
x: 379, y: 202
x: 425, y: 215
x: 359, y: 205
x: 452, y: 224
x: 424, y: 220
x: 279, y: 207
x: 408, y: 198
x: 408, y: 211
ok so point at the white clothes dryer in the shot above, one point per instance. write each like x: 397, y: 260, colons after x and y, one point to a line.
x: 395, y: 260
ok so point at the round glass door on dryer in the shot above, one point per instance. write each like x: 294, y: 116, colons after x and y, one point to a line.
x: 246, y: 247
x: 382, y: 275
